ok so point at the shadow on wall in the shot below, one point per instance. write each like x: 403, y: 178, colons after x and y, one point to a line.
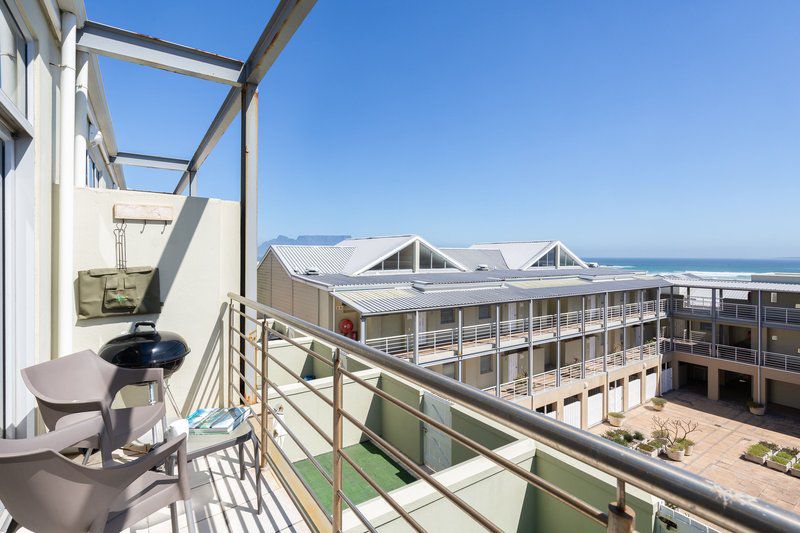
x: 202, y: 392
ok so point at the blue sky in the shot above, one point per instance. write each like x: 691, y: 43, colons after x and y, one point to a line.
x: 621, y: 128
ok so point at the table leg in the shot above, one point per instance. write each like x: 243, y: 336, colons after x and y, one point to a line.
x: 241, y: 461
x: 257, y: 465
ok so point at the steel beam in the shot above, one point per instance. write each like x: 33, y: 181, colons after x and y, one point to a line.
x: 281, y: 26
x: 152, y: 52
x: 150, y: 161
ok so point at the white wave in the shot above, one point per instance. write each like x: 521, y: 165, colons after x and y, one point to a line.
x: 736, y: 276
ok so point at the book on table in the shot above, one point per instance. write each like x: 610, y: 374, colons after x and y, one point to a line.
x: 217, y: 421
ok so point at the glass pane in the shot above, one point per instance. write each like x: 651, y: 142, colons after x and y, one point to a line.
x: 407, y: 258
x: 12, y: 59
x: 438, y: 262
x: 425, y: 257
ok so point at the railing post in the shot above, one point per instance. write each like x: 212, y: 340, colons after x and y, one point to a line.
x: 264, y: 391
x: 530, y: 347
x: 497, y: 347
x: 621, y: 518
x: 337, y: 441
x: 558, y: 342
x: 641, y: 325
x: 416, y: 337
x: 759, y: 323
x: 605, y: 335
x: 624, y: 328
x: 658, y: 340
x: 230, y: 353
x: 714, y: 352
x: 362, y: 335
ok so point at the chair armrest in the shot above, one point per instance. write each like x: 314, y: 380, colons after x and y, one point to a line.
x: 80, y: 406
x: 155, y: 457
x: 131, y: 376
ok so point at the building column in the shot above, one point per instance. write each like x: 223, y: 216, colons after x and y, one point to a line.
x: 81, y: 117
x: 624, y: 394
x: 416, y: 337
x: 497, y: 348
x: 641, y: 325
x: 605, y: 336
x: 658, y: 341
x: 713, y: 384
x: 714, y: 339
x: 362, y: 334
x: 624, y: 330
x: 558, y: 343
x: 530, y: 347
x: 760, y: 348
x: 66, y: 185
x: 461, y: 344
x: 672, y: 325
x: 583, y: 337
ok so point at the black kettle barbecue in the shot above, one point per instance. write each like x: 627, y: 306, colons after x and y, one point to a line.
x: 147, y: 348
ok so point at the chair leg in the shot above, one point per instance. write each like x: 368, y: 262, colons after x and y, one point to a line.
x: 241, y: 461
x: 173, y: 516
x: 12, y: 526
x: 87, y: 454
x: 187, y: 506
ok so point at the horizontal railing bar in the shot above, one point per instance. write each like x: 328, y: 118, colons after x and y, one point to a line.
x: 244, y: 380
x: 725, y: 507
x: 306, y: 452
x: 241, y: 335
x: 309, y: 351
x: 253, y: 319
x: 300, y: 412
x: 239, y: 394
x: 299, y: 379
x: 243, y: 357
x: 444, y: 491
x: 385, y: 495
x: 577, y: 504
x: 353, y: 507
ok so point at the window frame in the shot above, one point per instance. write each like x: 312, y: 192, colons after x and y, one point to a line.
x: 452, y: 315
x: 488, y: 314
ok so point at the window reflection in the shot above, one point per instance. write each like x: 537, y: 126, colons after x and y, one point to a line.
x: 12, y: 58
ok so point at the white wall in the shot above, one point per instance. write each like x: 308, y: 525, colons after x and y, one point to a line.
x: 198, y: 259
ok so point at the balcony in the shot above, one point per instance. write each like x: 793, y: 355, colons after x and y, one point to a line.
x: 748, y: 356
x: 321, y: 417
x: 481, y: 338
x: 782, y: 315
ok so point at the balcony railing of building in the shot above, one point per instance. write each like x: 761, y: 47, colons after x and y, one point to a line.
x: 749, y: 356
x: 249, y: 363
x: 782, y: 315
x: 445, y: 341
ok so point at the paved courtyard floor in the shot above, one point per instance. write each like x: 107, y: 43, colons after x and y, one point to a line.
x: 725, y: 431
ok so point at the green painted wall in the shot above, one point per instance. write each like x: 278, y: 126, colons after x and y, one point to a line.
x: 465, y: 424
x: 398, y: 427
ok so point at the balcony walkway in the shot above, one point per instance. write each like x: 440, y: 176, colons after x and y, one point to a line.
x: 224, y: 503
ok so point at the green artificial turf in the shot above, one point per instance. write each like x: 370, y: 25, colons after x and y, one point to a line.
x: 388, y: 474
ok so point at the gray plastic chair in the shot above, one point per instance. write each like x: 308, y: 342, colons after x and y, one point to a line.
x: 82, y: 385
x: 46, y: 492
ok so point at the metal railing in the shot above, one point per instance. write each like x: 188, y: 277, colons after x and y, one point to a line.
x: 782, y: 315
x: 790, y: 363
x: 735, y: 353
x: 692, y: 347
x: 615, y: 313
x: 694, y: 306
x: 724, y: 507
x: 437, y: 341
x: 511, y: 390
x: 632, y: 310
x: 394, y: 345
x: 737, y: 311
x: 479, y: 332
x: 570, y: 319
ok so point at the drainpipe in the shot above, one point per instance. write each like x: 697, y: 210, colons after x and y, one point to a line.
x: 530, y: 347
x: 558, y: 342
x: 583, y: 337
x: 605, y: 335
x: 461, y: 344
x: 66, y: 179
x: 760, y: 317
x: 497, y: 348
x: 81, y: 117
x: 362, y: 335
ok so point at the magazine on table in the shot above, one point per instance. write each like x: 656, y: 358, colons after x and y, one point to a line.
x: 217, y: 421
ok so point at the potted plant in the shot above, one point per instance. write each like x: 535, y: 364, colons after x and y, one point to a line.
x: 795, y: 469
x: 676, y: 452
x: 782, y: 459
x: 660, y: 445
x: 615, y: 419
x: 688, y: 446
x: 638, y: 436
x: 658, y: 403
x: 758, y: 453
x: 756, y: 408
x: 649, y: 448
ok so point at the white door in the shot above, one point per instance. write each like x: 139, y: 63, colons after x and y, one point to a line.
x: 513, y: 366
x: 423, y: 321
x: 436, y: 446
x: 572, y: 411
x: 512, y: 311
x: 592, y: 348
x: 634, y: 391
x: 615, y: 397
x: 666, y: 380
x: 650, y: 385
x: 595, y: 407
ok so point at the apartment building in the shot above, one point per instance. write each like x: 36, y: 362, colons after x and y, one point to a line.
x: 527, y: 321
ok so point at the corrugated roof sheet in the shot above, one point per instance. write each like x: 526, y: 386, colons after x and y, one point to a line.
x: 374, y: 300
x: 472, y: 257
x: 325, y: 259
x: 683, y: 281
x: 516, y: 254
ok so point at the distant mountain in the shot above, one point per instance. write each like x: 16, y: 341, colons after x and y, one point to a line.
x: 322, y: 240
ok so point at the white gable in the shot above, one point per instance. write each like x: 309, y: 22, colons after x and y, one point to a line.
x: 517, y: 255
x: 368, y: 252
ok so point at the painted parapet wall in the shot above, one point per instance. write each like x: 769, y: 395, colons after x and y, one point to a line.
x: 197, y: 255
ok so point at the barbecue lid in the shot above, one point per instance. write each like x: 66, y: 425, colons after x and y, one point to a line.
x: 144, y: 348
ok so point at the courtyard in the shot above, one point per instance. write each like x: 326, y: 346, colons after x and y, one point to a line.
x: 725, y: 430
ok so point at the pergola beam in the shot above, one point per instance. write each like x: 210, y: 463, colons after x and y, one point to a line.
x: 152, y: 52
x: 150, y: 161
x: 279, y: 30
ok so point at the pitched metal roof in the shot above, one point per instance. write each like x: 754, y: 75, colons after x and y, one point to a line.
x: 376, y: 300
x: 472, y: 257
x: 299, y: 258
x: 738, y: 285
x: 516, y: 254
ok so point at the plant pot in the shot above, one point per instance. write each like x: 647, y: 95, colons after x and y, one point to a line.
x: 658, y: 407
x: 688, y: 450
x: 777, y: 466
x: 758, y: 411
x: 795, y: 470
x: 757, y: 459
x: 653, y: 453
x: 676, y: 455
x: 614, y: 421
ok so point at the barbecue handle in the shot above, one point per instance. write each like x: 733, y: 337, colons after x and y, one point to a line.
x: 146, y: 323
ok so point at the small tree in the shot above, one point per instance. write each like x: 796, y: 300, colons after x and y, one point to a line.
x: 673, y: 430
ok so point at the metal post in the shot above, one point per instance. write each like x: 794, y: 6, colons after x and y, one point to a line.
x: 658, y: 339
x: 605, y: 333
x: 264, y: 391
x: 416, y: 337
x: 714, y: 339
x: 497, y: 348
x: 461, y: 344
x: 641, y: 326
x: 624, y: 328
x: 671, y: 318
x: 337, y: 441
x: 530, y: 347
x: 248, y: 214
x: 759, y: 320
x: 621, y: 518
x: 362, y: 334
x: 558, y: 342
x: 583, y: 337
x: 192, y: 183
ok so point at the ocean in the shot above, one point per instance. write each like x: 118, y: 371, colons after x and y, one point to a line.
x: 714, y: 268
